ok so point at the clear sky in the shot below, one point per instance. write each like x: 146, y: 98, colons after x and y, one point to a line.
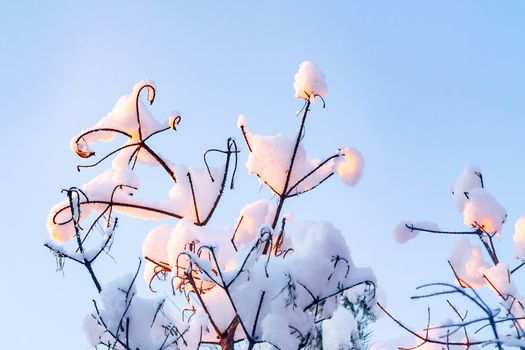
x: 420, y: 88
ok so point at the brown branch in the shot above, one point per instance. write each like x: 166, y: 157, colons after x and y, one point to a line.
x: 232, y: 149
x: 117, y: 204
x: 311, y: 173
x: 426, y: 339
x: 282, y: 198
x: 195, y: 207
x: 244, y: 134
x: 101, y: 130
x: 148, y: 86
x: 311, y: 188
x: 160, y: 161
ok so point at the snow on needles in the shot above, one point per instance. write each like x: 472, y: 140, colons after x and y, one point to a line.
x: 338, y: 331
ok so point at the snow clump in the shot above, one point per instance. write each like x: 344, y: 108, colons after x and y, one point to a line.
x: 469, y: 179
x: 349, y: 166
x: 483, y: 210
x: 519, y: 238
x: 468, y: 264
x: 309, y: 82
x: 405, y: 231
x: 338, y: 330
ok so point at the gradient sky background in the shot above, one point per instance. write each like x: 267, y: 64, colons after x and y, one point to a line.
x: 420, y: 88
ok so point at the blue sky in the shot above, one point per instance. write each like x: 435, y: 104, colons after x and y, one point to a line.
x: 420, y: 88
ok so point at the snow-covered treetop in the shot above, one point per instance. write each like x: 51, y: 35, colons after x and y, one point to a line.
x: 309, y: 82
x: 264, y: 280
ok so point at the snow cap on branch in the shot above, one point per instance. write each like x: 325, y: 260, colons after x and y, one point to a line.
x: 123, y: 117
x: 122, y: 121
x: 468, y: 264
x: 309, y: 82
x: 154, y: 247
x: 519, y: 238
x: 483, y: 210
x: 349, y: 166
x: 103, y: 187
x: 469, y: 179
x: 499, y: 279
x: 252, y: 218
x: 405, y: 231
x: 270, y: 161
x: 241, y: 120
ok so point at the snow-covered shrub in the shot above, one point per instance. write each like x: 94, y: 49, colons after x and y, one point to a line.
x: 267, y: 281
x: 489, y: 308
